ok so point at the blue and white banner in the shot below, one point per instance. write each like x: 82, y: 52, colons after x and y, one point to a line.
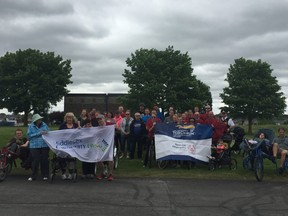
x: 86, y: 144
x: 175, y: 142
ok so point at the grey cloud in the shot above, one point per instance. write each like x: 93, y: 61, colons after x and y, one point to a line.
x: 23, y: 8
x: 98, y: 36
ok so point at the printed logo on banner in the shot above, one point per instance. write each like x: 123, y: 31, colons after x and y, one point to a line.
x: 183, y: 133
x: 78, y: 144
x: 191, y: 148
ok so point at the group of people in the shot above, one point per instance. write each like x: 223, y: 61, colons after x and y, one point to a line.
x: 131, y: 133
x: 137, y: 131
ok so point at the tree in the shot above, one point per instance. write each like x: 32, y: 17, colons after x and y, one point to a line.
x: 165, y: 78
x: 253, y: 92
x: 32, y: 81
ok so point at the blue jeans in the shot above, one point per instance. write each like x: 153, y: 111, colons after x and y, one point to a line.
x: 125, y: 139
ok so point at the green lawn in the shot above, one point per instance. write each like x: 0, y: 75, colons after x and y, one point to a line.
x: 134, y: 168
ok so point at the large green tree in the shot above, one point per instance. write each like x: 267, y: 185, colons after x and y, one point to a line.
x: 164, y: 77
x: 31, y: 80
x: 252, y: 92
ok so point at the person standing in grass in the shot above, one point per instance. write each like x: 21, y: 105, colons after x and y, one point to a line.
x: 137, y: 133
x: 38, y: 148
x: 150, y: 127
x: 100, y: 164
x: 88, y: 168
x: 125, y: 134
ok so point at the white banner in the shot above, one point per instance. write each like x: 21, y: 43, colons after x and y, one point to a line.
x: 86, y: 144
x: 170, y: 148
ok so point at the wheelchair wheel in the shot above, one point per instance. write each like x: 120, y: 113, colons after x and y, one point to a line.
x: 233, y: 164
x: 212, y: 165
x: 162, y: 164
x: 74, y: 176
x: 258, y: 168
x: 52, y: 175
x: 116, y: 159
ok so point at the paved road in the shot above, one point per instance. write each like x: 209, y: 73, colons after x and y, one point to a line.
x: 142, y: 196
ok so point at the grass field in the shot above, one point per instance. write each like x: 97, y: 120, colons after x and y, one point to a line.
x: 134, y: 168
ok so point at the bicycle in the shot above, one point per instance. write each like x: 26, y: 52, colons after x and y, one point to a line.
x: 6, y: 162
x: 253, y: 158
x: 151, y: 154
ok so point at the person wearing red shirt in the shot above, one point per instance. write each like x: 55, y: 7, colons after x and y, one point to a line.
x: 150, y: 128
x: 205, y: 115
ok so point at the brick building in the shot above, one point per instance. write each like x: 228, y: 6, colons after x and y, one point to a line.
x: 75, y: 102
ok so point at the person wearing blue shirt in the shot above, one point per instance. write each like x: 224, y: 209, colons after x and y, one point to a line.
x: 38, y: 148
x: 137, y: 133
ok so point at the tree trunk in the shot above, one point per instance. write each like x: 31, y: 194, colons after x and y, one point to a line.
x: 26, y: 118
x: 250, y: 122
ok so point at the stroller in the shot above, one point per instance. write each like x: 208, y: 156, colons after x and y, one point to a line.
x: 221, y: 154
x: 60, y: 164
x: 256, y: 151
x: 238, y: 135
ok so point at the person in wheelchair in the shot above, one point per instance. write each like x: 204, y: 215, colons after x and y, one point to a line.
x: 70, y: 122
x: 280, y: 147
x: 266, y: 146
x: 19, y: 147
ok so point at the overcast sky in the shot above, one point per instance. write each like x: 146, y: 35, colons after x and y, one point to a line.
x: 99, y: 35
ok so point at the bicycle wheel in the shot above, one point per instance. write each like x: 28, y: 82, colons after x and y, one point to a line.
x: 233, y: 164
x: 9, y: 166
x: 247, y: 164
x: 162, y: 164
x: 3, y: 172
x: 258, y: 168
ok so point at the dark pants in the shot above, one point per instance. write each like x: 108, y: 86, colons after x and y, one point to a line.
x: 40, y: 157
x: 123, y: 142
x: 117, y: 140
x: 148, y: 143
x: 136, y: 140
x: 88, y: 168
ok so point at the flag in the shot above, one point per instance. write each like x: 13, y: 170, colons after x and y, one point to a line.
x: 176, y: 142
x: 86, y: 144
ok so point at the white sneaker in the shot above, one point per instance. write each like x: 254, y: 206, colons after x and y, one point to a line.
x: 64, y: 177
x: 127, y: 157
x: 69, y: 176
x: 30, y: 179
x: 45, y: 179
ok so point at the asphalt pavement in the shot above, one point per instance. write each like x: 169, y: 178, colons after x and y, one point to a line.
x: 142, y: 196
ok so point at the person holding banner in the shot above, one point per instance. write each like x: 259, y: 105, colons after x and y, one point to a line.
x: 70, y: 122
x: 100, y: 165
x: 150, y: 128
x: 38, y: 148
x: 88, y: 169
